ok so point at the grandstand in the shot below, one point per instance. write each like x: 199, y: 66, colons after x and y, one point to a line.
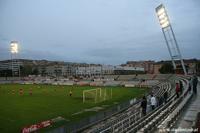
x: 142, y: 80
x: 162, y: 76
x: 145, y: 76
x: 126, y: 77
x: 110, y: 77
x: 162, y: 118
x: 112, y: 83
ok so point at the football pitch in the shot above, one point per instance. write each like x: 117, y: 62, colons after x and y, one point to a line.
x: 19, y: 108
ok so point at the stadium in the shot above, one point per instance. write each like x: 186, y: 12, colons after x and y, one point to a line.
x: 61, y: 71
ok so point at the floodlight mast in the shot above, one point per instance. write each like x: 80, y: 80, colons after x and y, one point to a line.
x: 14, y: 49
x: 169, y: 36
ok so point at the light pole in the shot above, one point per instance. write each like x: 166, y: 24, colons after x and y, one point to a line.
x: 169, y: 36
x: 14, y: 49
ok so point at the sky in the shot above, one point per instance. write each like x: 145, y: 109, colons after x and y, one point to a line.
x: 97, y: 31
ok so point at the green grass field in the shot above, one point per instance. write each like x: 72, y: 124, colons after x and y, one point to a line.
x: 48, y: 102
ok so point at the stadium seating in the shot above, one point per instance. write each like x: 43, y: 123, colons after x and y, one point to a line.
x: 112, y: 83
x: 112, y: 77
x: 126, y: 77
x: 168, y: 115
x: 128, y: 119
x: 162, y: 76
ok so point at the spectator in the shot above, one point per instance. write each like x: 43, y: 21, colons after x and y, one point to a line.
x: 195, y: 81
x: 160, y: 100
x: 144, y: 105
x: 190, y: 85
x: 153, y: 102
x: 165, y: 96
x: 177, y: 90
x: 181, y: 87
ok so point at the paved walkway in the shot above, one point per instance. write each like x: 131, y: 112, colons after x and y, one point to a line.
x: 188, y: 117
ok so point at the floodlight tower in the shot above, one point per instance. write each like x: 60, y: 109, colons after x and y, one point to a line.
x: 169, y: 36
x: 14, y: 49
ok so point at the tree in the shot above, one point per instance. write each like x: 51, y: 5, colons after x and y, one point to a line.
x: 43, y: 72
x: 26, y: 70
x: 5, y: 73
x: 179, y: 69
x: 35, y: 71
x: 166, y: 68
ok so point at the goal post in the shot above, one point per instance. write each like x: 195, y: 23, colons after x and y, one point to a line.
x: 92, y: 93
x: 97, y: 94
x: 107, y: 94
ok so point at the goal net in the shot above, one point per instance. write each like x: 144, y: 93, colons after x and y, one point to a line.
x: 91, y: 94
x: 96, y: 95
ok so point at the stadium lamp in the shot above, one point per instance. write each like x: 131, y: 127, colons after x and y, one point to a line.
x: 14, y: 47
x: 169, y: 36
x: 162, y: 16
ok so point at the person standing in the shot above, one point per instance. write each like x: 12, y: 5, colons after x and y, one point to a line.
x: 159, y: 100
x: 190, y: 85
x: 177, y: 90
x: 70, y: 93
x: 21, y: 91
x: 181, y: 87
x: 165, y: 96
x: 195, y: 81
x: 153, y: 102
x: 31, y: 92
x: 144, y: 105
x: 13, y: 91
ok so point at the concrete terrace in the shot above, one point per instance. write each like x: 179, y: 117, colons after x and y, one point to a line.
x: 188, y: 118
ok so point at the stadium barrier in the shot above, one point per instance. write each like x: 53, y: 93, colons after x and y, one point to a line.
x: 87, y: 122
x: 99, y: 83
x: 83, y: 83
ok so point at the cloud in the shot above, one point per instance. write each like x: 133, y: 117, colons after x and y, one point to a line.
x: 122, y: 54
x: 105, y: 31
